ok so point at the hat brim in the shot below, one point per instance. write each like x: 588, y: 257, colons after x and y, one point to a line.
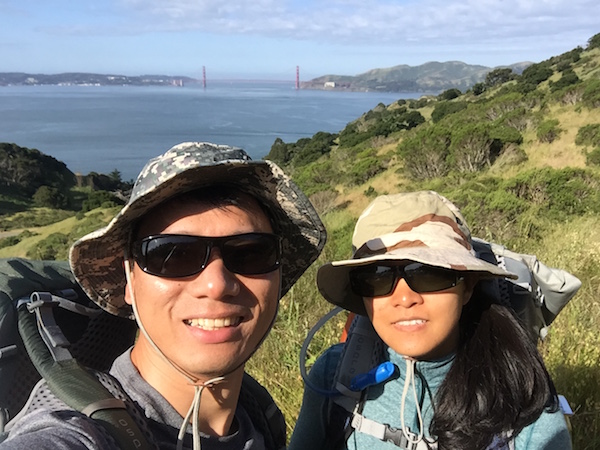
x: 333, y: 279
x: 97, y: 258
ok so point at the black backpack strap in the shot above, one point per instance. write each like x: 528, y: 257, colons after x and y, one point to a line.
x: 78, y: 388
x: 264, y: 412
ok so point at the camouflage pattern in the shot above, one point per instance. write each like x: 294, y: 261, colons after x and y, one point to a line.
x: 97, y: 258
x: 420, y: 227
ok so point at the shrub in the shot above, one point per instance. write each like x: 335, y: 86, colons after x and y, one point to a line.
x: 589, y: 135
x: 55, y: 246
x: 593, y: 158
x: 317, y: 176
x: 324, y: 201
x: 320, y: 144
x: 558, y: 193
x: 548, y: 131
x: 365, y: 169
x: 591, y: 94
x: 443, y: 109
x: 418, y: 104
x: 425, y: 153
x: 470, y: 148
x: 568, y: 78
x: 97, y: 199
x: 370, y: 192
x: 9, y: 241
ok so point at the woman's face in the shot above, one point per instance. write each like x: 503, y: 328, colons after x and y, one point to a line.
x: 421, y: 326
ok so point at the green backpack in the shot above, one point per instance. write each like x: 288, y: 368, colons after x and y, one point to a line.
x: 50, y: 329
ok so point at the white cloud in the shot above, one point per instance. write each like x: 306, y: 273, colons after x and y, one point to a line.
x: 373, y: 21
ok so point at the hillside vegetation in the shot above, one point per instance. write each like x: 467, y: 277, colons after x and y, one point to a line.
x: 519, y: 154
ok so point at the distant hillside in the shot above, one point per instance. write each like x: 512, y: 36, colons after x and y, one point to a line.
x: 431, y: 77
x: 76, y: 78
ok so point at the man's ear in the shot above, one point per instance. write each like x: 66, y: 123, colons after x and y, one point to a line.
x: 128, y: 269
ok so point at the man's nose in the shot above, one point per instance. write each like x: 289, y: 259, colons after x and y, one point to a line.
x: 216, y: 281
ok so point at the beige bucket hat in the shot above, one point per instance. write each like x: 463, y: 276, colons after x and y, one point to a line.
x: 97, y: 258
x: 420, y: 227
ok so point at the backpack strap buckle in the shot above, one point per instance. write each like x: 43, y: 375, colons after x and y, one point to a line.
x: 43, y: 304
x: 387, y: 433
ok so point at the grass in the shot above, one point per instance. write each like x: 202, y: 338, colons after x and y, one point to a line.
x: 572, y: 349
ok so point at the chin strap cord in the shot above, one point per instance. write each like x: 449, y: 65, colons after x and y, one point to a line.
x: 194, y: 414
x: 410, y: 380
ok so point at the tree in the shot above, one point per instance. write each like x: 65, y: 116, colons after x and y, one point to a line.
x: 50, y: 197
x: 499, y: 76
x: 478, y: 89
x: 535, y: 74
x: 280, y: 152
x: 115, y: 175
x: 450, y: 94
x: 594, y: 42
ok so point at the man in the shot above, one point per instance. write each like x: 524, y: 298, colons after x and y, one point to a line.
x: 200, y: 255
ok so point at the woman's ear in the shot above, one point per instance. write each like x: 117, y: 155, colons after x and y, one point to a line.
x: 469, y: 285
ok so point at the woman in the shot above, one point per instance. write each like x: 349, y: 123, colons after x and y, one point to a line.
x: 467, y: 376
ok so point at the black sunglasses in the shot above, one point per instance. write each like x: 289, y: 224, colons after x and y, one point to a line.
x: 375, y: 280
x: 181, y: 255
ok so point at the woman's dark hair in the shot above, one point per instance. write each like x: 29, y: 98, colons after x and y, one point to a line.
x: 498, y: 382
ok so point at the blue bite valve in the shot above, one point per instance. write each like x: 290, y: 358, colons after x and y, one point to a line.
x: 374, y: 376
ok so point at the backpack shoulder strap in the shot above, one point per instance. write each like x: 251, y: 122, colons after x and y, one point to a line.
x: 264, y: 412
x: 31, y: 300
x: 77, y: 387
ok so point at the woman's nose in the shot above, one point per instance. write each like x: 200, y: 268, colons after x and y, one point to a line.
x: 403, y: 295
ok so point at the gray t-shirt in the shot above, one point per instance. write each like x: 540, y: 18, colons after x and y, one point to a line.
x: 58, y: 427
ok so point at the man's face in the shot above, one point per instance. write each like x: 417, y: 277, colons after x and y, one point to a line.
x: 211, y: 322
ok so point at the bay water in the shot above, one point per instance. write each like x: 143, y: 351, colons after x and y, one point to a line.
x: 103, y: 128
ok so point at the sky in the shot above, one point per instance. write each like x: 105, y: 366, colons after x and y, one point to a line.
x: 268, y: 39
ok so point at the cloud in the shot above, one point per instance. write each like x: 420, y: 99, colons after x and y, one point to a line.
x: 384, y: 22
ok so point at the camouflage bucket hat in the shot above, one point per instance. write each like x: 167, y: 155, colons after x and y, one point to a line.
x: 97, y: 258
x: 419, y: 227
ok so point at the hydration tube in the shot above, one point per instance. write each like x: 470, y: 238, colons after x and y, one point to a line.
x: 378, y: 374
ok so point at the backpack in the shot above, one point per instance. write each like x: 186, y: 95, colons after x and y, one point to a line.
x: 50, y: 329
x: 537, y: 296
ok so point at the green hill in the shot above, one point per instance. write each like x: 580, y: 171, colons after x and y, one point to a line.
x: 429, y: 77
x: 518, y: 153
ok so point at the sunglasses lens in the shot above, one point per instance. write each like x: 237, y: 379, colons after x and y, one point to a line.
x: 176, y: 256
x: 173, y: 256
x: 423, y: 278
x: 251, y: 254
x: 377, y: 280
x: 372, y: 280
